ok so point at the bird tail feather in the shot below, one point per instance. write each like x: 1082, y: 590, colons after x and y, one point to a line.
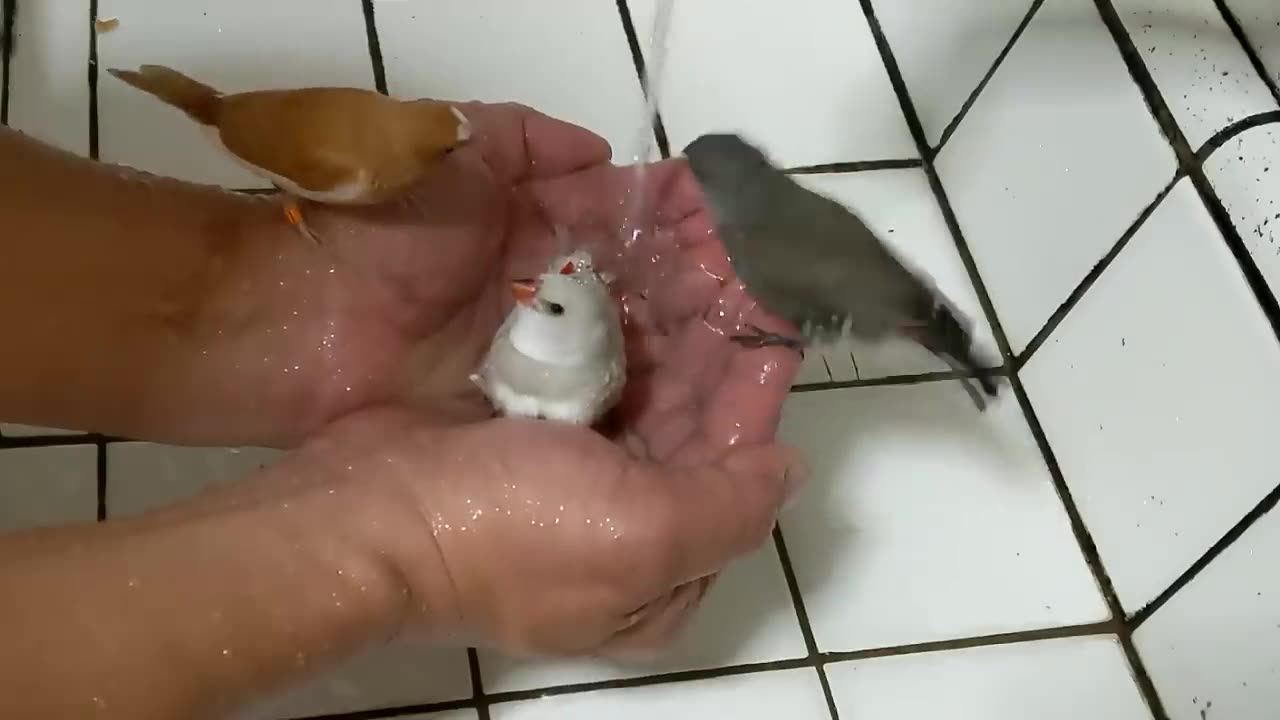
x: 199, y: 101
x: 946, y: 336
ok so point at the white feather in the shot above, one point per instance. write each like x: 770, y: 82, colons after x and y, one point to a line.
x: 569, y: 368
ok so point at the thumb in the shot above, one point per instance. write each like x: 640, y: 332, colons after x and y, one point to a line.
x: 720, y: 512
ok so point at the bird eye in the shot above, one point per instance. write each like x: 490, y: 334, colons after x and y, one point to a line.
x: 555, y: 309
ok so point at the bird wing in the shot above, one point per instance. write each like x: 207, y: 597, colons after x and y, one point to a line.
x: 296, y: 134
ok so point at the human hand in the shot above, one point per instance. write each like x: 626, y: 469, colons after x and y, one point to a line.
x: 403, y: 300
x: 536, y: 537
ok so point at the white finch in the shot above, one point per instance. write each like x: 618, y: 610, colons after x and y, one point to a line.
x: 559, y: 355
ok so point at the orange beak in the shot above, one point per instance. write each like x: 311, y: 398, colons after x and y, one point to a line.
x: 524, y: 291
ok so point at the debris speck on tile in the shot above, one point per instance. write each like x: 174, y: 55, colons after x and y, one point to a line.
x: 106, y: 25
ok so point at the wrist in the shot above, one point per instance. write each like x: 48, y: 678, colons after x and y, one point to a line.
x: 229, y: 596
x: 387, y: 505
x: 141, y: 281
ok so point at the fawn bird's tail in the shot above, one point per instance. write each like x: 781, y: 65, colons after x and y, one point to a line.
x: 192, y: 97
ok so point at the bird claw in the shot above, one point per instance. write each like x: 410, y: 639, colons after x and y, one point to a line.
x: 762, y: 339
x: 293, y: 214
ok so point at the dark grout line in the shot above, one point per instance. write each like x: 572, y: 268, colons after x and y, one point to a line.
x: 802, y: 617
x: 1241, y: 36
x: 9, y: 8
x: 102, y: 479
x: 1108, y: 627
x: 479, y: 700
x: 93, y: 79
x: 1067, y: 305
x: 1267, y: 504
x: 1083, y: 538
x: 973, y: 96
x: 857, y: 166
x: 1142, y: 77
x: 935, y: 183
x: 814, y: 661
x: 637, y: 59
x: 375, y: 47
x: 9, y: 442
x: 1191, y: 164
x: 918, y: 379
x: 1226, y: 134
x: 396, y: 712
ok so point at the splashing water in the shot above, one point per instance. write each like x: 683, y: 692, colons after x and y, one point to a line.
x: 634, y: 219
x: 647, y: 250
x: 637, y: 251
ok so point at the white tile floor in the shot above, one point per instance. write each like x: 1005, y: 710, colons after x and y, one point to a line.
x: 938, y: 569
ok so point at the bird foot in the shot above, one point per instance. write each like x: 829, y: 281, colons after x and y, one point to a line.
x: 293, y: 215
x: 763, y: 339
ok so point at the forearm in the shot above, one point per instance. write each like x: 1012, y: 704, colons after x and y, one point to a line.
x: 189, y: 611
x: 123, y: 292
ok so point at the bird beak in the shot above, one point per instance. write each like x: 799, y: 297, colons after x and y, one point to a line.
x: 524, y: 291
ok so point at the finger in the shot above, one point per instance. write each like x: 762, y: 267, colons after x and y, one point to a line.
x: 712, y: 514
x: 744, y: 401
x: 650, y: 630
x: 519, y: 142
x: 680, y: 196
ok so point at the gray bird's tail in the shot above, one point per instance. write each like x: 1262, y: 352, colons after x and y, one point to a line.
x: 945, y: 335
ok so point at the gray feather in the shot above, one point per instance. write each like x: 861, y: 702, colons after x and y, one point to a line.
x: 811, y: 261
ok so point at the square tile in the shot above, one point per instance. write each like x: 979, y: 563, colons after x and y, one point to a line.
x: 1260, y: 20
x: 793, y: 694
x: 1201, y: 70
x: 747, y: 617
x: 964, y: 38
x: 926, y: 520
x: 803, y: 79
x: 568, y: 59
x: 1245, y: 173
x: 232, y: 45
x: 1158, y: 395
x: 11, y: 430
x: 395, y: 675
x: 1054, y: 161
x: 900, y: 207
x: 1081, y: 677
x: 48, y: 486
x: 1214, y: 649
x: 145, y: 476
x: 48, y: 85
